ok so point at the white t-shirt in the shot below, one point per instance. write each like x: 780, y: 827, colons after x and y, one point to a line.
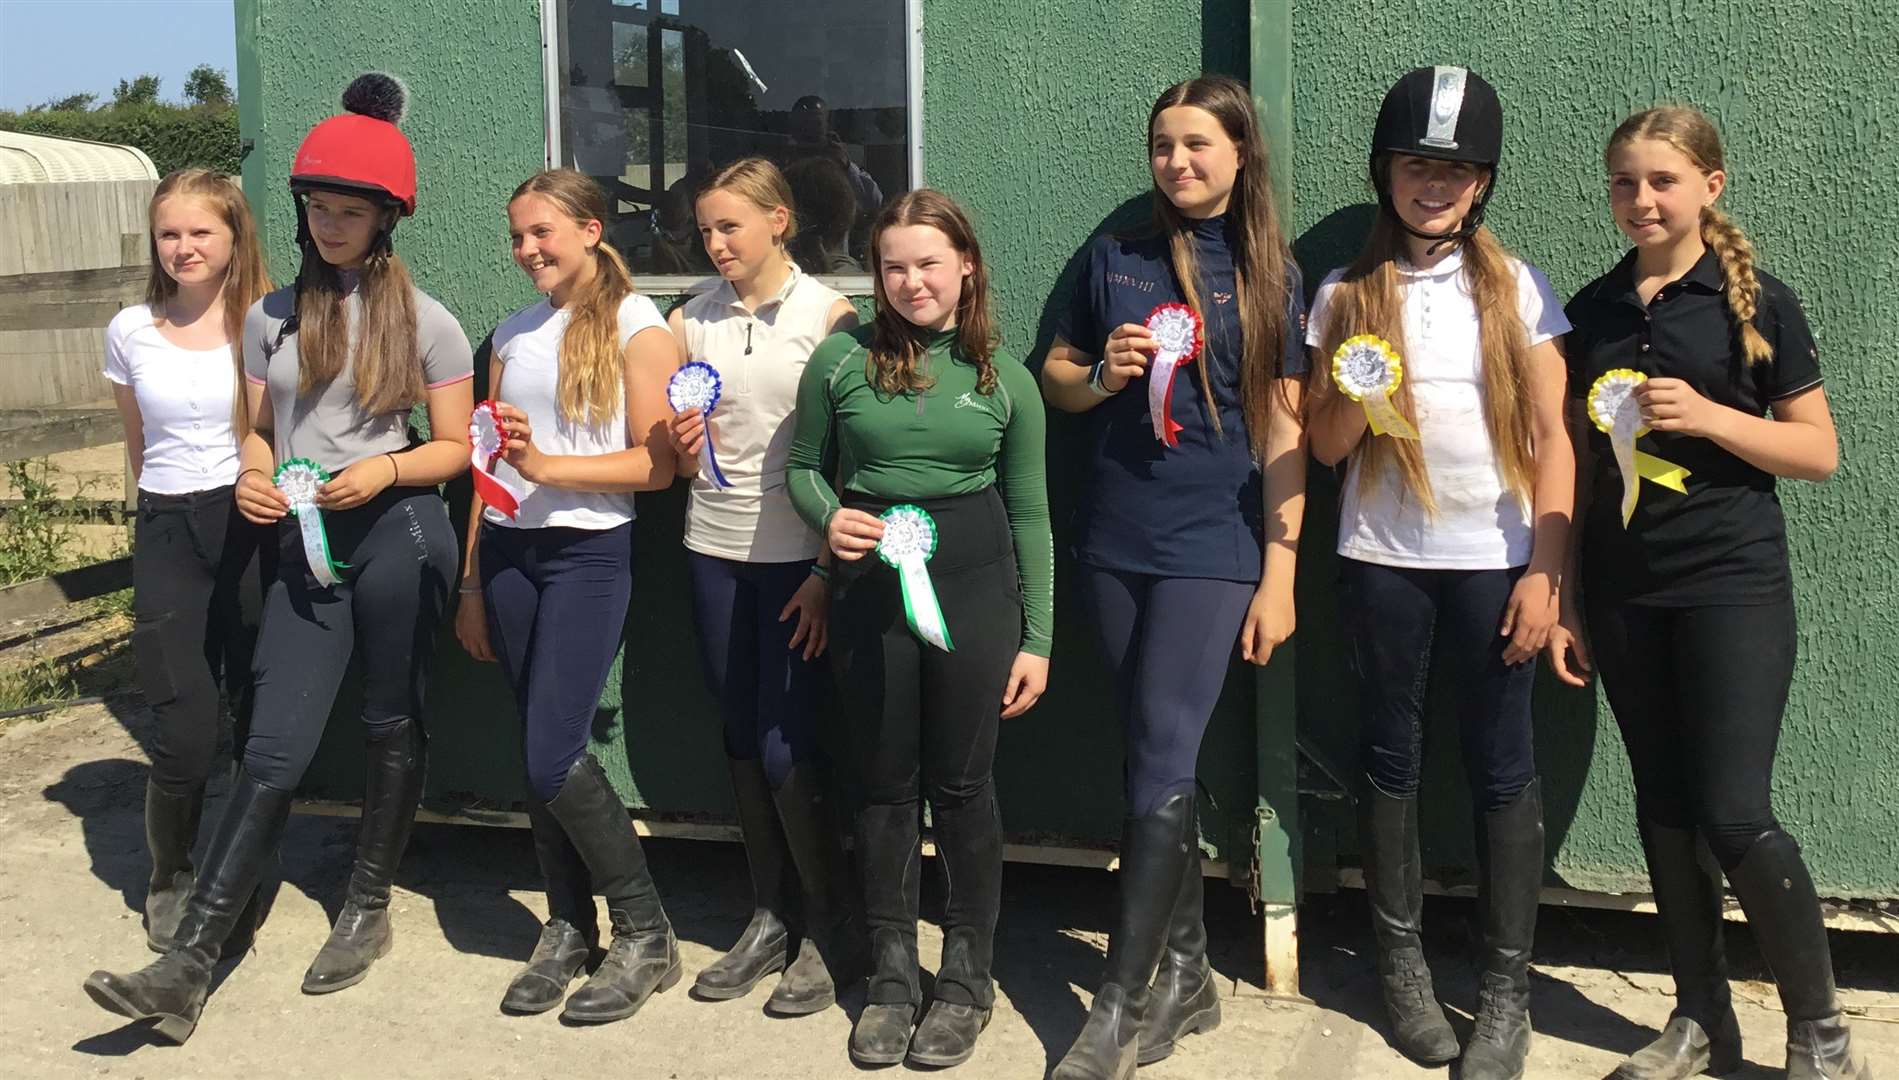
x: 528, y: 345
x: 184, y: 404
x: 1480, y: 524
x: 760, y: 356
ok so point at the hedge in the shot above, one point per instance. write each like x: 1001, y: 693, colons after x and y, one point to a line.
x: 173, y: 136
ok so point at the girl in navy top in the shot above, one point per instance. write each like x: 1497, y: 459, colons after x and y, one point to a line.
x: 1185, y: 549
x: 1688, y: 600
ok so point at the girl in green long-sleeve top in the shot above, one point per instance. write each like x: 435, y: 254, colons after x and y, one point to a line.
x: 938, y: 440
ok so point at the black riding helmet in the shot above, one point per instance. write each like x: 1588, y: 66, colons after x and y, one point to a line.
x: 1447, y: 113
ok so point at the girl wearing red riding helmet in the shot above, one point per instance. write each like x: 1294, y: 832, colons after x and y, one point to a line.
x: 334, y: 365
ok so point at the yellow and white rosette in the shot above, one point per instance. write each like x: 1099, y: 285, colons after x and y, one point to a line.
x: 1616, y: 413
x: 1366, y: 368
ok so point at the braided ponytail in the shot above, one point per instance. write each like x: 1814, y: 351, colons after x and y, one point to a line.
x: 1731, y: 246
x: 1689, y: 130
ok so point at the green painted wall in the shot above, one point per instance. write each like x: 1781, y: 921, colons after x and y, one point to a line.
x: 1802, y: 90
x: 1033, y: 118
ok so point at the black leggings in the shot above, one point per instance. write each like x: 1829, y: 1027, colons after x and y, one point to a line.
x: 195, y: 623
x: 1699, y: 694
x: 924, y: 724
x: 400, y: 553
x: 1396, y: 619
x: 1169, y: 642
x: 768, y: 692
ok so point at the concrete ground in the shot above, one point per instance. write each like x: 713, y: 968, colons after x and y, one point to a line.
x: 72, y: 868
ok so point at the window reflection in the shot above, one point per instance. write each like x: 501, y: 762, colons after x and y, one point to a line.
x: 654, y: 97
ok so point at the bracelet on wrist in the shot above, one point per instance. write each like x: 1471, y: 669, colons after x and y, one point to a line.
x: 822, y: 573
x: 1094, y: 379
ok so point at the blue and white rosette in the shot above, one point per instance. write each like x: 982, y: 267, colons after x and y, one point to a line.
x: 299, y: 479
x: 696, y: 385
x: 909, y: 541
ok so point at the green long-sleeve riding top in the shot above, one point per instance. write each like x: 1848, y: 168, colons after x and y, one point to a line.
x: 947, y: 440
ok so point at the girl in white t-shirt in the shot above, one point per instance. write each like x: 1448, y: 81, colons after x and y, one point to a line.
x: 758, y: 578
x: 176, y: 370
x: 1451, y: 542
x: 580, y: 386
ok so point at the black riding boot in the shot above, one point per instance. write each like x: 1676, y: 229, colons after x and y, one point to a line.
x: 1185, y: 999
x: 831, y: 950
x: 762, y: 948
x: 572, y: 929
x: 362, y: 934
x: 171, y: 827
x: 891, y: 862
x: 172, y: 989
x: 1702, y: 1035
x: 969, y: 841
x: 1154, y: 852
x: 644, y: 957
x: 1510, y: 856
x: 1394, y: 887
x: 1784, y: 911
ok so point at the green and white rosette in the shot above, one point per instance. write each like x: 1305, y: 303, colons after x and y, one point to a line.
x: 909, y: 541
x: 299, y: 479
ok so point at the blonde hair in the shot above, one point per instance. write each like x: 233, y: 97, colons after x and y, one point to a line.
x: 758, y: 182
x: 387, y: 362
x: 1259, y: 256
x: 592, y: 386
x: 1688, y: 130
x: 245, y: 280
x: 1367, y: 301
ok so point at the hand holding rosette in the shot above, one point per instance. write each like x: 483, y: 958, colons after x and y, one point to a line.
x: 1616, y: 413
x: 909, y: 541
x: 486, y: 444
x: 1367, y: 370
x: 1178, y: 332
x: 696, y: 385
x: 299, y: 479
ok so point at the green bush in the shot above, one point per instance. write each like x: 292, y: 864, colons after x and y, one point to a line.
x: 173, y: 136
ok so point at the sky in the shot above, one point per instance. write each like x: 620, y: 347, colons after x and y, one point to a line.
x: 52, y: 48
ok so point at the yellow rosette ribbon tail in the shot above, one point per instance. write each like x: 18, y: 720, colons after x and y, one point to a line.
x: 1616, y: 413
x: 1367, y: 370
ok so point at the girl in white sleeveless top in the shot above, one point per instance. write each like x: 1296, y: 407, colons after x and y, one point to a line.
x: 758, y: 580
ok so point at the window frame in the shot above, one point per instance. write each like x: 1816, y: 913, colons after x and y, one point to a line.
x: 682, y: 284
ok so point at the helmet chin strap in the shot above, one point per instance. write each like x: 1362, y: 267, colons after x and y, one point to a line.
x: 1472, y: 221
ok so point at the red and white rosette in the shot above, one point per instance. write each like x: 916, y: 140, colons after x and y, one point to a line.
x: 485, y: 443
x: 1179, y: 332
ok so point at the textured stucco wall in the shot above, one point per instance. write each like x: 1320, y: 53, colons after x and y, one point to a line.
x: 1033, y: 118
x: 1803, y: 92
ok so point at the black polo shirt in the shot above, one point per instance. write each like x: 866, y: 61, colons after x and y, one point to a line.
x: 1725, y: 541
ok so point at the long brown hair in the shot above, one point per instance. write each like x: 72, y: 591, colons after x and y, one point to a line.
x: 1689, y: 130
x: 387, y: 366
x: 592, y: 387
x: 245, y: 280
x: 1259, y: 263
x: 896, y: 344
x: 1367, y: 301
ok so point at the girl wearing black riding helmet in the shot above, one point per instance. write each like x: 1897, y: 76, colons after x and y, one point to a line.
x: 333, y: 367
x: 1452, y: 533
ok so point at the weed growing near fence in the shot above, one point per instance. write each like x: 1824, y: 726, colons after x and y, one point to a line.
x: 37, y: 536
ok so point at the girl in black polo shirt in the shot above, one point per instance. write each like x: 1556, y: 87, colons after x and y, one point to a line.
x: 1687, y: 599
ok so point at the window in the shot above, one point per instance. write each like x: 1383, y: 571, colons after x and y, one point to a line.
x: 653, y: 95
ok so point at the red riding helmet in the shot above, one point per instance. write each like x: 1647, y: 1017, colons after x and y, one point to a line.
x: 362, y: 151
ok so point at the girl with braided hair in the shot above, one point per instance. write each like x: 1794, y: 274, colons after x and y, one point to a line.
x: 1686, y: 596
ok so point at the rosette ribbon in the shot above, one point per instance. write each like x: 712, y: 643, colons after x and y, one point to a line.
x: 696, y: 385
x: 299, y: 479
x: 485, y: 443
x: 1179, y: 332
x: 1367, y: 369
x: 1616, y: 413
x: 909, y: 541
